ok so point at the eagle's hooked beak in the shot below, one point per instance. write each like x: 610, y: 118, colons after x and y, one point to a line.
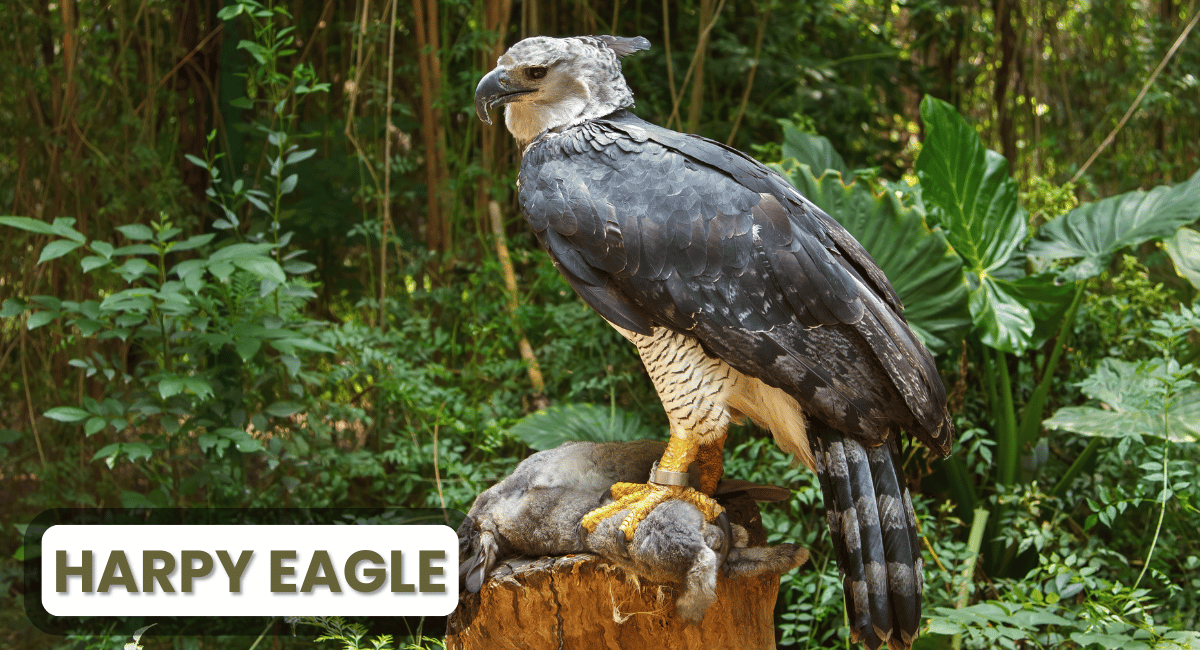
x: 495, y: 89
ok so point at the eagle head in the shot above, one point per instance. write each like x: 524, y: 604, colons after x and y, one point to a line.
x: 546, y: 83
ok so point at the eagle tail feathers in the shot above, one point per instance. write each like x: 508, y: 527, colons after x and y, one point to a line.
x: 870, y: 516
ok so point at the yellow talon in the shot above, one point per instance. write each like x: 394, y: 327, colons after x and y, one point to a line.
x: 641, y: 498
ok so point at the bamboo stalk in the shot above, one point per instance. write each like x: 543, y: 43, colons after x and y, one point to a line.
x: 37, y: 437
x: 974, y: 543
x: 510, y: 283
x: 387, y: 172
x: 432, y: 217
x: 670, y: 68
x: 696, y: 106
x: 437, y: 229
x: 763, y: 17
x: 691, y: 68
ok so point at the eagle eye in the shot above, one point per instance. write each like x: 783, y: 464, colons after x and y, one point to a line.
x: 537, y: 72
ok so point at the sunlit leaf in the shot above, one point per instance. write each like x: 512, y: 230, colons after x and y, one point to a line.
x: 240, y: 250
x: 1004, y: 323
x: 136, y: 231
x: 297, y: 156
x: 67, y: 414
x: 263, y: 267
x: 39, y: 318
x: 283, y: 409
x: 968, y: 187
x: 94, y: 425
x: 25, y: 223
x: 92, y: 262
x: 1133, y: 404
x: 193, y: 242
x: 289, y: 184
x: 12, y: 307
x: 170, y: 386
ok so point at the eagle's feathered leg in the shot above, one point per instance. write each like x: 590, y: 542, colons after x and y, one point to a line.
x: 695, y: 390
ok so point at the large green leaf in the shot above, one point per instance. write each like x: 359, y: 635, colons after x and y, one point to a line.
x: 549, y: 428
x: 1133, y: 403
x: 925, y: 273
x: 1096, y: 230
x: 969, y: 190
x: 813, y: 150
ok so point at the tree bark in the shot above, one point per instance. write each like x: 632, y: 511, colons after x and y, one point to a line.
x: 581, y: 601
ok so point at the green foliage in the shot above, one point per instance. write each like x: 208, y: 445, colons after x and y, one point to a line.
x: 206, y: 342
x: 199, y: 328
x: 968, y: 193
x: 353, y: 636
x: 1136, y: 403
x: 549, y: 428
x: 812, y: 150
x: 1114, y: 315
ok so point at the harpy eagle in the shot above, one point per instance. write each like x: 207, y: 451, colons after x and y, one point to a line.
x: 744, y: 300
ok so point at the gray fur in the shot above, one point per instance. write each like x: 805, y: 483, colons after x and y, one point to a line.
x: 536, y: 511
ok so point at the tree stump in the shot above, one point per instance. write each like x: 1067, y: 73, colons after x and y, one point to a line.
x: 582, y: 601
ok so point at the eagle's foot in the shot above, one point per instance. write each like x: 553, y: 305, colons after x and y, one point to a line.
x: 641, y: 498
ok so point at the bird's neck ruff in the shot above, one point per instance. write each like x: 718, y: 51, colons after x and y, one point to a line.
x: 527, y: 121
x: 547, y: 135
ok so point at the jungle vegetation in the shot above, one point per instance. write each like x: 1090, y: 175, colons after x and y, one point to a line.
x: 261, y: 253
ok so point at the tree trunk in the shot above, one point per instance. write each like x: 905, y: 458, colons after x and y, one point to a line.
x: 1004, y: 10
x: 581, y: 601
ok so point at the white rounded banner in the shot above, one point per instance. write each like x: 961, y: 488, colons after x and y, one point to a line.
x: 249, y: 570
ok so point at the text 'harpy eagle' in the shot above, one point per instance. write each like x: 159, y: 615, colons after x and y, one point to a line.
x: 744, y: 300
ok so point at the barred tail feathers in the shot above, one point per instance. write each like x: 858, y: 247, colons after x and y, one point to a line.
x: 871, y: 520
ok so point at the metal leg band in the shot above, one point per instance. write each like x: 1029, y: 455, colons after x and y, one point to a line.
x: 667, y: 477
